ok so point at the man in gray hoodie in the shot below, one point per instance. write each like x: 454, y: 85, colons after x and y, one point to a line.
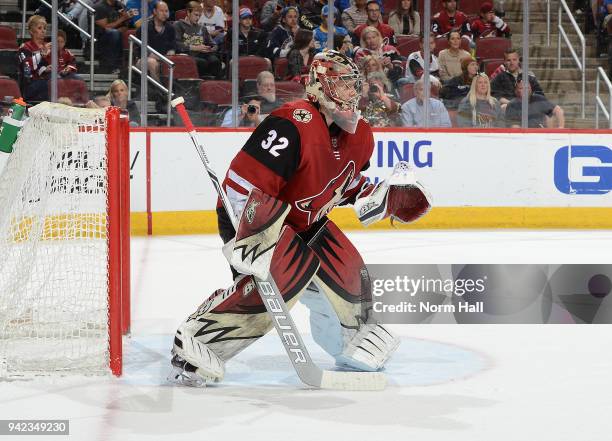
x: 193, y: 39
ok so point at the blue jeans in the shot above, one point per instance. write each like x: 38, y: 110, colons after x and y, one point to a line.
x: 36, y: 90
x: 111, y: 47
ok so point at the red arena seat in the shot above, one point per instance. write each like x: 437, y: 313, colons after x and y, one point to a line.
x: 280, y: 68
x: 216, y: 92
x: 491, y: 66
x: 289, y: 90
x: 493, y: 47
x: 76, y: 90
x: 442, y: 43
x: 8, y: 38
x: 9, y: 87
x: 250, y: 66
x: 407, y: 44
x: 185, y: 67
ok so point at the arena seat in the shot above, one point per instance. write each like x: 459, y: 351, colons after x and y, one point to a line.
x: 493, y: 47
x: 76, y: 90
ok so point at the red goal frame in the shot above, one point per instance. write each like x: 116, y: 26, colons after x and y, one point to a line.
x: 118, y: 234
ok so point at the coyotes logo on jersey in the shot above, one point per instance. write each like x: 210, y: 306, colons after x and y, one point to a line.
x: 322, y: 203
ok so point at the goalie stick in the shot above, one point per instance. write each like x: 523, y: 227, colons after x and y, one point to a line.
x: 308, y: 372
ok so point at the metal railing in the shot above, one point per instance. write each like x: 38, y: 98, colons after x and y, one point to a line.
x: 599, y: 104
x: 152, y: 80
x: 581, y: 63
x: 92, y: 25
x: 548, y: 23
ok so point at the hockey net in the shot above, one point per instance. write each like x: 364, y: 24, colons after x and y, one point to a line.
x: 64, y: 244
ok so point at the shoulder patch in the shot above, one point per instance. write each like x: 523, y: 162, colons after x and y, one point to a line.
x: 302, y: 115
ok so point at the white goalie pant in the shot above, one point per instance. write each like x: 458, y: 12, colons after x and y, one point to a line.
x: 365, y: 350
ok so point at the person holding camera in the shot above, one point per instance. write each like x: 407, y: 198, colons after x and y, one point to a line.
x: 377, y: 106
x: 250, y: 113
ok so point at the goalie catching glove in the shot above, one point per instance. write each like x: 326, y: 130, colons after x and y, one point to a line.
x: 400, y: 197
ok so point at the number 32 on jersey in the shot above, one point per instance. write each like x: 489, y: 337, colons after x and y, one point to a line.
x: 273, y: 145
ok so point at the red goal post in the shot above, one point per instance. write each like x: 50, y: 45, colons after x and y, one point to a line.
x: 118, y: 163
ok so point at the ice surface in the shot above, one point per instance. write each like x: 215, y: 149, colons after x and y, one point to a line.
x: 447, y: 382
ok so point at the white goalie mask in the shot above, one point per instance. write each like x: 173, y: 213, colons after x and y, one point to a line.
x: 335, y: 83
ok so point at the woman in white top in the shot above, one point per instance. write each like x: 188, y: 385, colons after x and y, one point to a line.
x: 213, y: 18
x: 405, y: 20
x: 450, y: 59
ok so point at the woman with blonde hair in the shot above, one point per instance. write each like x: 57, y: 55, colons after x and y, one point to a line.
x: 373, y: 44
x: 35, y: 61
x: 479, y: 109
x: 369, y: 64
x: 118, y: 96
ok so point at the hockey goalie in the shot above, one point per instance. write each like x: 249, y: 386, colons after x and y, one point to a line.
x: 304, y: 159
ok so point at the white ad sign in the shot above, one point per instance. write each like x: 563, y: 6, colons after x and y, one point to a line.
x: 459, y: 169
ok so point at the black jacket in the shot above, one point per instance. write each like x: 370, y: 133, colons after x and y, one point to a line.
x: 254, y: 43
x: 454, y: 91
x: 504, y: 83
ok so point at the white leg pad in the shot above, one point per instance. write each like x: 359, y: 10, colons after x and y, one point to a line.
x: 365, y: 350
x: 369, y: 349
x: 209, y: 366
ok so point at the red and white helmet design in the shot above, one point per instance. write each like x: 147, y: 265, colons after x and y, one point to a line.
x: 334, y: 81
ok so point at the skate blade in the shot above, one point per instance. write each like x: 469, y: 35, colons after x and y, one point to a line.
x: 183, y: 378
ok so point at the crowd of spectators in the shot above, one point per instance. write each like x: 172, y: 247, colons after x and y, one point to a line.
x: 393, y: 94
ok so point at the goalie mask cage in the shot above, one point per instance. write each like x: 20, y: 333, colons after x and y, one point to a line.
x: 64, y: 244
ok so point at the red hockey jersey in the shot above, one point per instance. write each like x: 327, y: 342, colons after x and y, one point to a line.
x: 442, y: 23
x: 295, y: 157
x: 483, y: 29
x: 34, y: 65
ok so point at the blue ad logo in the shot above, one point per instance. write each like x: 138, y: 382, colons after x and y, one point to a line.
x: 582, y: 184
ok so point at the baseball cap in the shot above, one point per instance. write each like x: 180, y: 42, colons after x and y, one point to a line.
x: 486, y: 7
x: 325, y: 10
x: 286, y: 9
x: 245, y: 12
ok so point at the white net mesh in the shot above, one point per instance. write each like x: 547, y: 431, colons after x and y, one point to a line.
x: 53, y: 247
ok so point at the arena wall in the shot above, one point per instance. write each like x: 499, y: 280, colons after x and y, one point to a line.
x: 478, y: 179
